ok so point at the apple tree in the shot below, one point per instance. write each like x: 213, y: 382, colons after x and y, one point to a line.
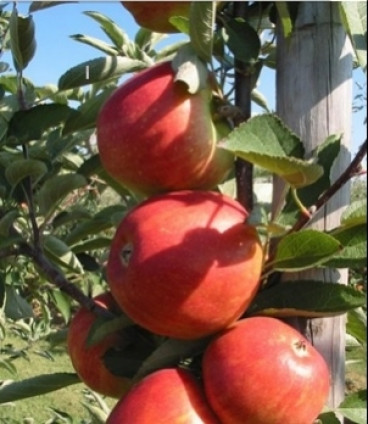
x: 61, y: 202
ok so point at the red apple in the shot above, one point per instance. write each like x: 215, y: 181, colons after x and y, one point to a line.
x: 167, y: 396
x: 185, y: 264
x: 153, y: 136
x: 262, y: 371
x: 155, y: 15
x: 88, y: 360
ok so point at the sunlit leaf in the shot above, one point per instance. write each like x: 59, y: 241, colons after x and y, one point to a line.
x: 190, y: 69
x: 60, y: 253
x: 354, y: 18
x: 304, y: 249
x: 110, y: 28
x: 201, y: 28
x: 96, y: 43
x: 99, y: 70
x: 265, y: 141
x: 284, y: 17
x: 355, y: 213
x: 354, y: 247
x: 307, y: 299
x: 354, y: 407
x: 357, y: 325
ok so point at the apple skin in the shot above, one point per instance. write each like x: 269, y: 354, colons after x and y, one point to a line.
x: 153, y: 136
x: 185, y: 264
x: 155, y: 15
x: 88, y: 360
x: 167, y: 396
x: 271, y: 373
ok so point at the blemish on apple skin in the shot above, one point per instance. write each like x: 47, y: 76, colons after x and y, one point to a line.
x: 126, y: 253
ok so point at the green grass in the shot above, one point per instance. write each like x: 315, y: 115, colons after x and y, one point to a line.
x: 39, y: 409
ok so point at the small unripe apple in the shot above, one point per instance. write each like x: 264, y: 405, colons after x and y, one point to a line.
x: 88, y: 360
x: 153, y: 136
x: 167, y: 396
x: 154, y: 15
x: 262, y: 371
x: 185, y: 264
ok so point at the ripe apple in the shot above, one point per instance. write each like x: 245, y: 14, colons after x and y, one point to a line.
x: 153, y: 136
x: 155, y: 15
x: 167, y: 396
x: 185, y: 264
x: 88, y: 360
x: 270, y: 372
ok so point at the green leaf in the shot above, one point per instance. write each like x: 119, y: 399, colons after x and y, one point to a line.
x: 40, y: 5
x: 326, y: 155
x: 99, y: 70
x: 201, y: 28
x: 104, y: 219
x: 96, y: 43
x: 265, y: 141
x: 181, y: 23
x: 190, y: 69
x: 355, y: 213
x: 145, y: 39
x: 354, y: 407
x: 30, y: 124
x: 87, y: 113
x: 110, y: 28
x: 307, y: 299
x: 24, y: 168
x: 55, y: 189
x: 170, y: 353
x: 22, y: 40
x: 284, y: 16
x: 304, y: 249
x: 357, y: 325
x: 243, y: 41
x: 329, y: 418
x: 36, y: 386
x: 6, y: 222
x: 97, y: 414
x: 62, y: 302
x: 16, y: 307
x: 354, y: 251
x: 9, y: 241
x: 60, y: 253
x: 102, y: 327
x: 93, y: 244
x: 354, y: 17
x: 8, y: 366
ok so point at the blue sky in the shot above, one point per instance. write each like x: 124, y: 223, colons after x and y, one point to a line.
x: 56, y: 52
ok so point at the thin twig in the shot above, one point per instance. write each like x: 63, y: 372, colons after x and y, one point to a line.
x: 351, y: 171
x: 58, y: 279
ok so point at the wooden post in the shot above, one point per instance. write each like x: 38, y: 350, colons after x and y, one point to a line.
x: 314, y: 98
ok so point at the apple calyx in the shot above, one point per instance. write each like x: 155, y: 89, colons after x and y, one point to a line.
x: 126, y: 253
x: 300, y: 348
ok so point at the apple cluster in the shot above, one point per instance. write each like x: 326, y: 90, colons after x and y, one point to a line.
x: 186, y: 264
